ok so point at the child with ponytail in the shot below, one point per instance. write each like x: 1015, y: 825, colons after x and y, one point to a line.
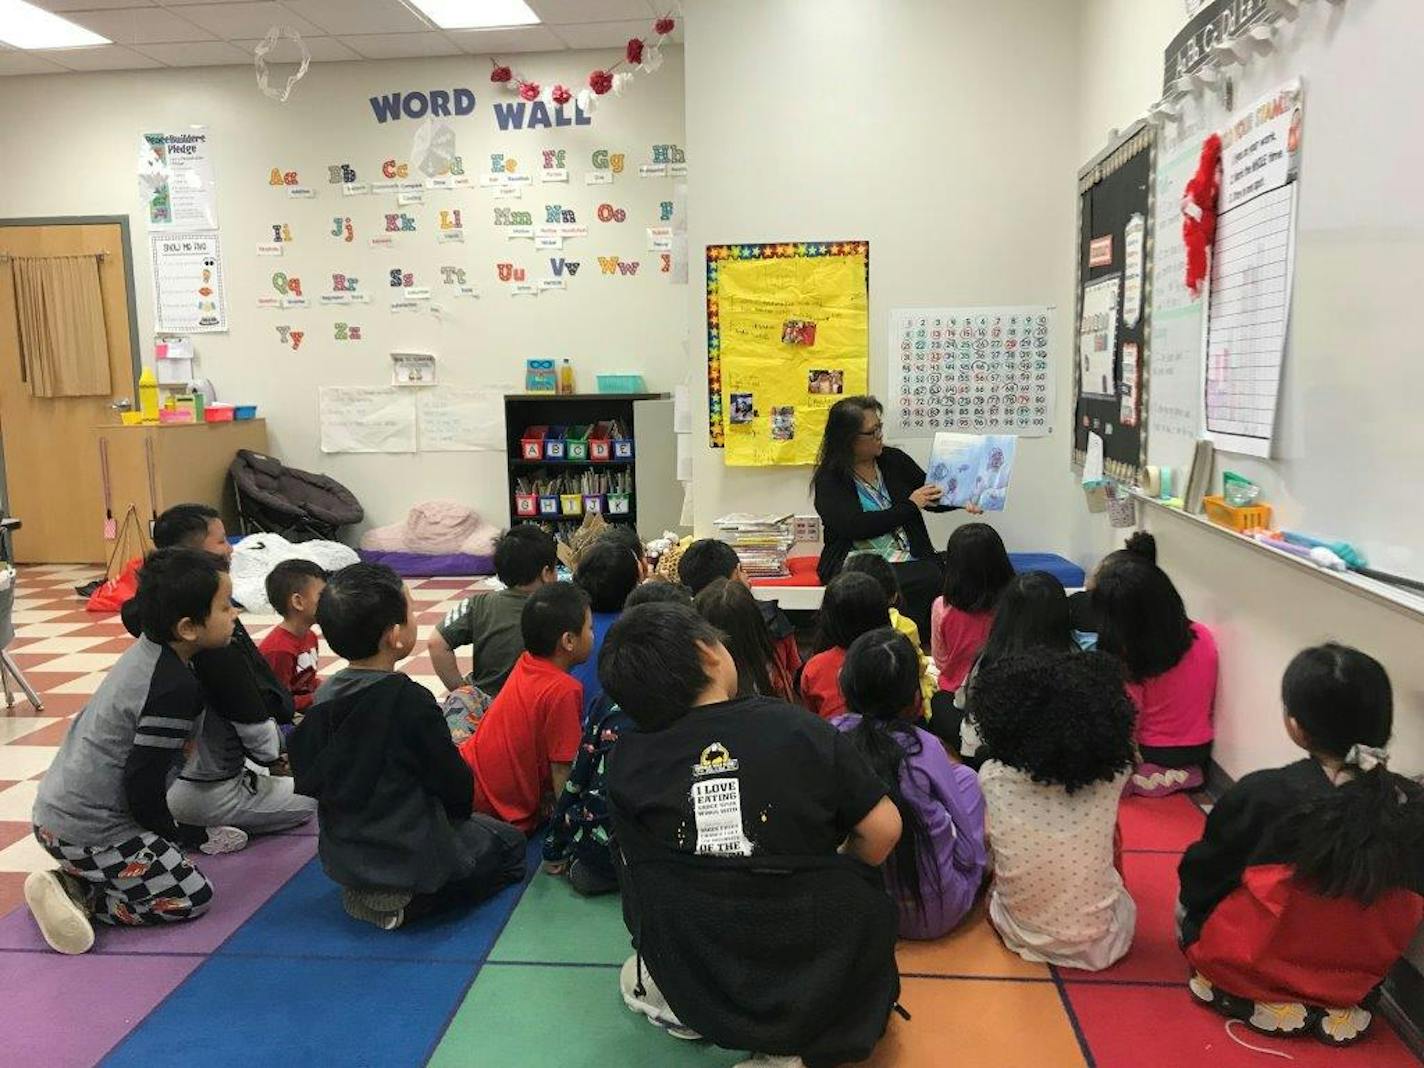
x: 934, y: 872
x: 1308, y: 883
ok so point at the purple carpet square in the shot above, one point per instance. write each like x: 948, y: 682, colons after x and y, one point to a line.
x: 242, y: 882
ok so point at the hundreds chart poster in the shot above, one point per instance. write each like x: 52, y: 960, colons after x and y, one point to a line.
x: 981, y: 369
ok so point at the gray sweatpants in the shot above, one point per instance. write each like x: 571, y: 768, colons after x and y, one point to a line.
x: 258, y: 804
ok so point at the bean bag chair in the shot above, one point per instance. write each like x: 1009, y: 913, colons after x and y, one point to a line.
x: 254, y: 557
x: 436, y: 538
x: 299, y: 505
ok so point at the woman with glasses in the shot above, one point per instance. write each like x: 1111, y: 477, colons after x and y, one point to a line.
x: 869, y: 497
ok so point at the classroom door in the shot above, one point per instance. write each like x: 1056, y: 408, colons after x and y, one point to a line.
x: 51, y: 481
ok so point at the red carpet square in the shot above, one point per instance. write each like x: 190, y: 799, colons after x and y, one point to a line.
x: 1170, y: 823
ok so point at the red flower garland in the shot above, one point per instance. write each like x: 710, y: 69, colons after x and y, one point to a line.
x: 634, y: 52
x: 600, y: 81
x: 560, y: 95
x: 529, y: 91
x: 664, y: 26
x: 500, y: 75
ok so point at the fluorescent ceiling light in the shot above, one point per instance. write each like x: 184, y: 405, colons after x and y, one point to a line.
x: 26, y: 26
x: 476, y: 14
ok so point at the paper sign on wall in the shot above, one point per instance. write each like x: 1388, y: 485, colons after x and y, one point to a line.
x: 1134, y: 235
x: 366, y: 419
x: 412, y: 369
x: 462, y: 419
x: 175, y: 180
x: 1097, y: 333
x: 188, y: 292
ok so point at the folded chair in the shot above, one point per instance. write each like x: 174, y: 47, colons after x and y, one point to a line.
x: 300, y: 506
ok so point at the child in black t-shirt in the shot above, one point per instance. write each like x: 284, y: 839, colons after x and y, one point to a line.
x: 731, y: 815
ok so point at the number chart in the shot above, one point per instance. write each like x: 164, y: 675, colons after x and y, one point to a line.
x: 983, y: 370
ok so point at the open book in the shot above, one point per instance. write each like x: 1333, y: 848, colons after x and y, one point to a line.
x: 972, y: 468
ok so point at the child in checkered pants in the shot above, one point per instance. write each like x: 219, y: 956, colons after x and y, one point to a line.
x: 102, y: 810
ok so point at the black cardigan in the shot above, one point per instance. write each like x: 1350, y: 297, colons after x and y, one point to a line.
x: 845, y: 522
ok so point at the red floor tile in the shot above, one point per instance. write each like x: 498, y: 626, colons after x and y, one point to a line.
x: 12, y: 891
x: 1133, y: 1027
x: 50, y: 735
x: 1154, y: 956
x: 11, y: 831
x: 1171, y: 823
x: 61, y: 704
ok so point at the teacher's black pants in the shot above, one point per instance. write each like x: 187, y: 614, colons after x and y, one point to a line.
x: 921, y: 581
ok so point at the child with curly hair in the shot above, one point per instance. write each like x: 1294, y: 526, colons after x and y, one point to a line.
x: 1059, y: 726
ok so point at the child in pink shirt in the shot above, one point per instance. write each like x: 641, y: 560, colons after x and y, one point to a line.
x: 1170, y: 663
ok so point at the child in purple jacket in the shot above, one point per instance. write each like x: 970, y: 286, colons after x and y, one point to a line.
x: 937, y: 867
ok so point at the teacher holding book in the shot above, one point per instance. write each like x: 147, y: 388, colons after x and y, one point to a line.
x: 869, y: 497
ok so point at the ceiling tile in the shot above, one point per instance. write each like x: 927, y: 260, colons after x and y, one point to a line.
x: 89, y: 5
x: 609, y: 34
x: 401, y: 45
x: 140, y: 25
x: 104, y: 57
x: 196, y: 54
x: 232, y: 20
x: 359, y: 16
x: 506, y: 41
x: 13, y: 61
x: 562, y: 12
x: 322, y: 49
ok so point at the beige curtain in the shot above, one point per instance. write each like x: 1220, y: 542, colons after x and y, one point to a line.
x: 64, y: 346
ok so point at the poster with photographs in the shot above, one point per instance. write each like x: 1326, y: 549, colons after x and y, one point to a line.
x: 987, y: 370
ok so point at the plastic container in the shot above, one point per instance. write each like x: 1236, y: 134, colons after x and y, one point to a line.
x: 619, y: 503
x: 170, y: 416
x: 621, y: 383
x: 554, y: 446
x: 245, y: 411
x: 531, y: 443
x: 622, y: 448
x: 548, y: 504
x: 526, y: 504
x: 576, y: 444
x: 131, y: 418
x: 219, y: 413
x: 571, y: 504
x: 595, y: 503
x: 1247, y: 520
x: 600, y: 444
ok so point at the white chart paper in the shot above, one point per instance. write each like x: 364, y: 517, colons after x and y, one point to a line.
x: 188, y: 291
x: 461, y: 419
x: 367, y: 419
x: 986, y: 370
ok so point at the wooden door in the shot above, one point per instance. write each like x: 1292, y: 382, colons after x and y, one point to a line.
x: 51, y: 479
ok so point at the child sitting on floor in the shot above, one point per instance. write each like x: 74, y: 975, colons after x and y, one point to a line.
x: 578, y: 843
x: 626, y: 536
x: 608, y: 572
x: 750, y: 834
x: 878, y: 568
x: 1306, y: 886
x: 935, y: 871
x: 707, y: 559
x: 730, y: 607
x: 1032, y: 613
x: 293, y: 589
x: 1059, y: 727
x: 396, y: 830
x: 101, y: 809
x: 1170, y: 662
x: 525, y: 744
x: 976, y: 570
x: 525, y: 558
x: 853, y: 604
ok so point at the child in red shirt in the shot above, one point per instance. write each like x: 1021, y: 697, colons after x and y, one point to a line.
x: 854, y: 604
x: 525, y: 743
x: 293, y: 588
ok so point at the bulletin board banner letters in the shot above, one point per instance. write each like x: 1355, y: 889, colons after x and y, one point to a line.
x: 787, y: 336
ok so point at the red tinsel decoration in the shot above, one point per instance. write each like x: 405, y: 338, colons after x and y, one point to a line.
x: 634, y: 51
x: 500, y: 75
x: 664, y: 26
x: 1199, y: 211
x: 529, y: 90
x: 600, y: 81
x: 560, y: 95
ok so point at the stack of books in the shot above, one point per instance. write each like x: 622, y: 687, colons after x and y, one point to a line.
x: 761, y: 541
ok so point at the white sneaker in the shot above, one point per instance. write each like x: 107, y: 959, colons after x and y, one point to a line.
x: 651, y: 1003
x: 224, y: 840
x: 766, y: 1060
x: 62, y: 920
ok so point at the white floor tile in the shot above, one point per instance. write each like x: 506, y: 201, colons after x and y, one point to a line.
x: 12, y: 727
x: 23, y: 616
x: 63, y: 646
x: 51, y: 630
x: 24, y: 761
x: 85, y: 684
x: 82, y: 662
x: 419, y: 594
x: 18, y: 802
x: 26, y: 855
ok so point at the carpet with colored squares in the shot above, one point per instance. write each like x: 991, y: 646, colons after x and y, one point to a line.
x: 276, y: 972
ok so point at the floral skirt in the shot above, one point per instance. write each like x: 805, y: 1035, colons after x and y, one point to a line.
x: 1333, y: 1026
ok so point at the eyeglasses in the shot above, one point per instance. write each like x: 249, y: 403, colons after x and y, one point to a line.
x: 877, y: 431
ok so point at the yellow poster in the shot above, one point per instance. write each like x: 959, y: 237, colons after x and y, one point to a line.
x: 787, y: 336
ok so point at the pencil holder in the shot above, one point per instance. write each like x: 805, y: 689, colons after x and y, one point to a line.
x: 571, y: 504
x: 531, y: 443
x: 622, y: 448
x: 548, y: 504
x: 618, y: 503
x: 595, y: 503
x: 600, y: 445
x: 576, y: 444
x: 555, y: 447
x: 526, y: 504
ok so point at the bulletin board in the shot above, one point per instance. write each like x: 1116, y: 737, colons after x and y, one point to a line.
x: 1115, y: 218
x: 787, y: 336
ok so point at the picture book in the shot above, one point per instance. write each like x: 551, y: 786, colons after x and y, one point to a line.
x: 972, y: 469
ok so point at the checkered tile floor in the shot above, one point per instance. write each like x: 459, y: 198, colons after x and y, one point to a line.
x: 529, y: 978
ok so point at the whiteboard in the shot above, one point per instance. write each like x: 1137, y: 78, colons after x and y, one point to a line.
x: 1348, y: 457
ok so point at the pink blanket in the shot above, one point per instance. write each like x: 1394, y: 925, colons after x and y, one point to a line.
x: 435, y: 528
